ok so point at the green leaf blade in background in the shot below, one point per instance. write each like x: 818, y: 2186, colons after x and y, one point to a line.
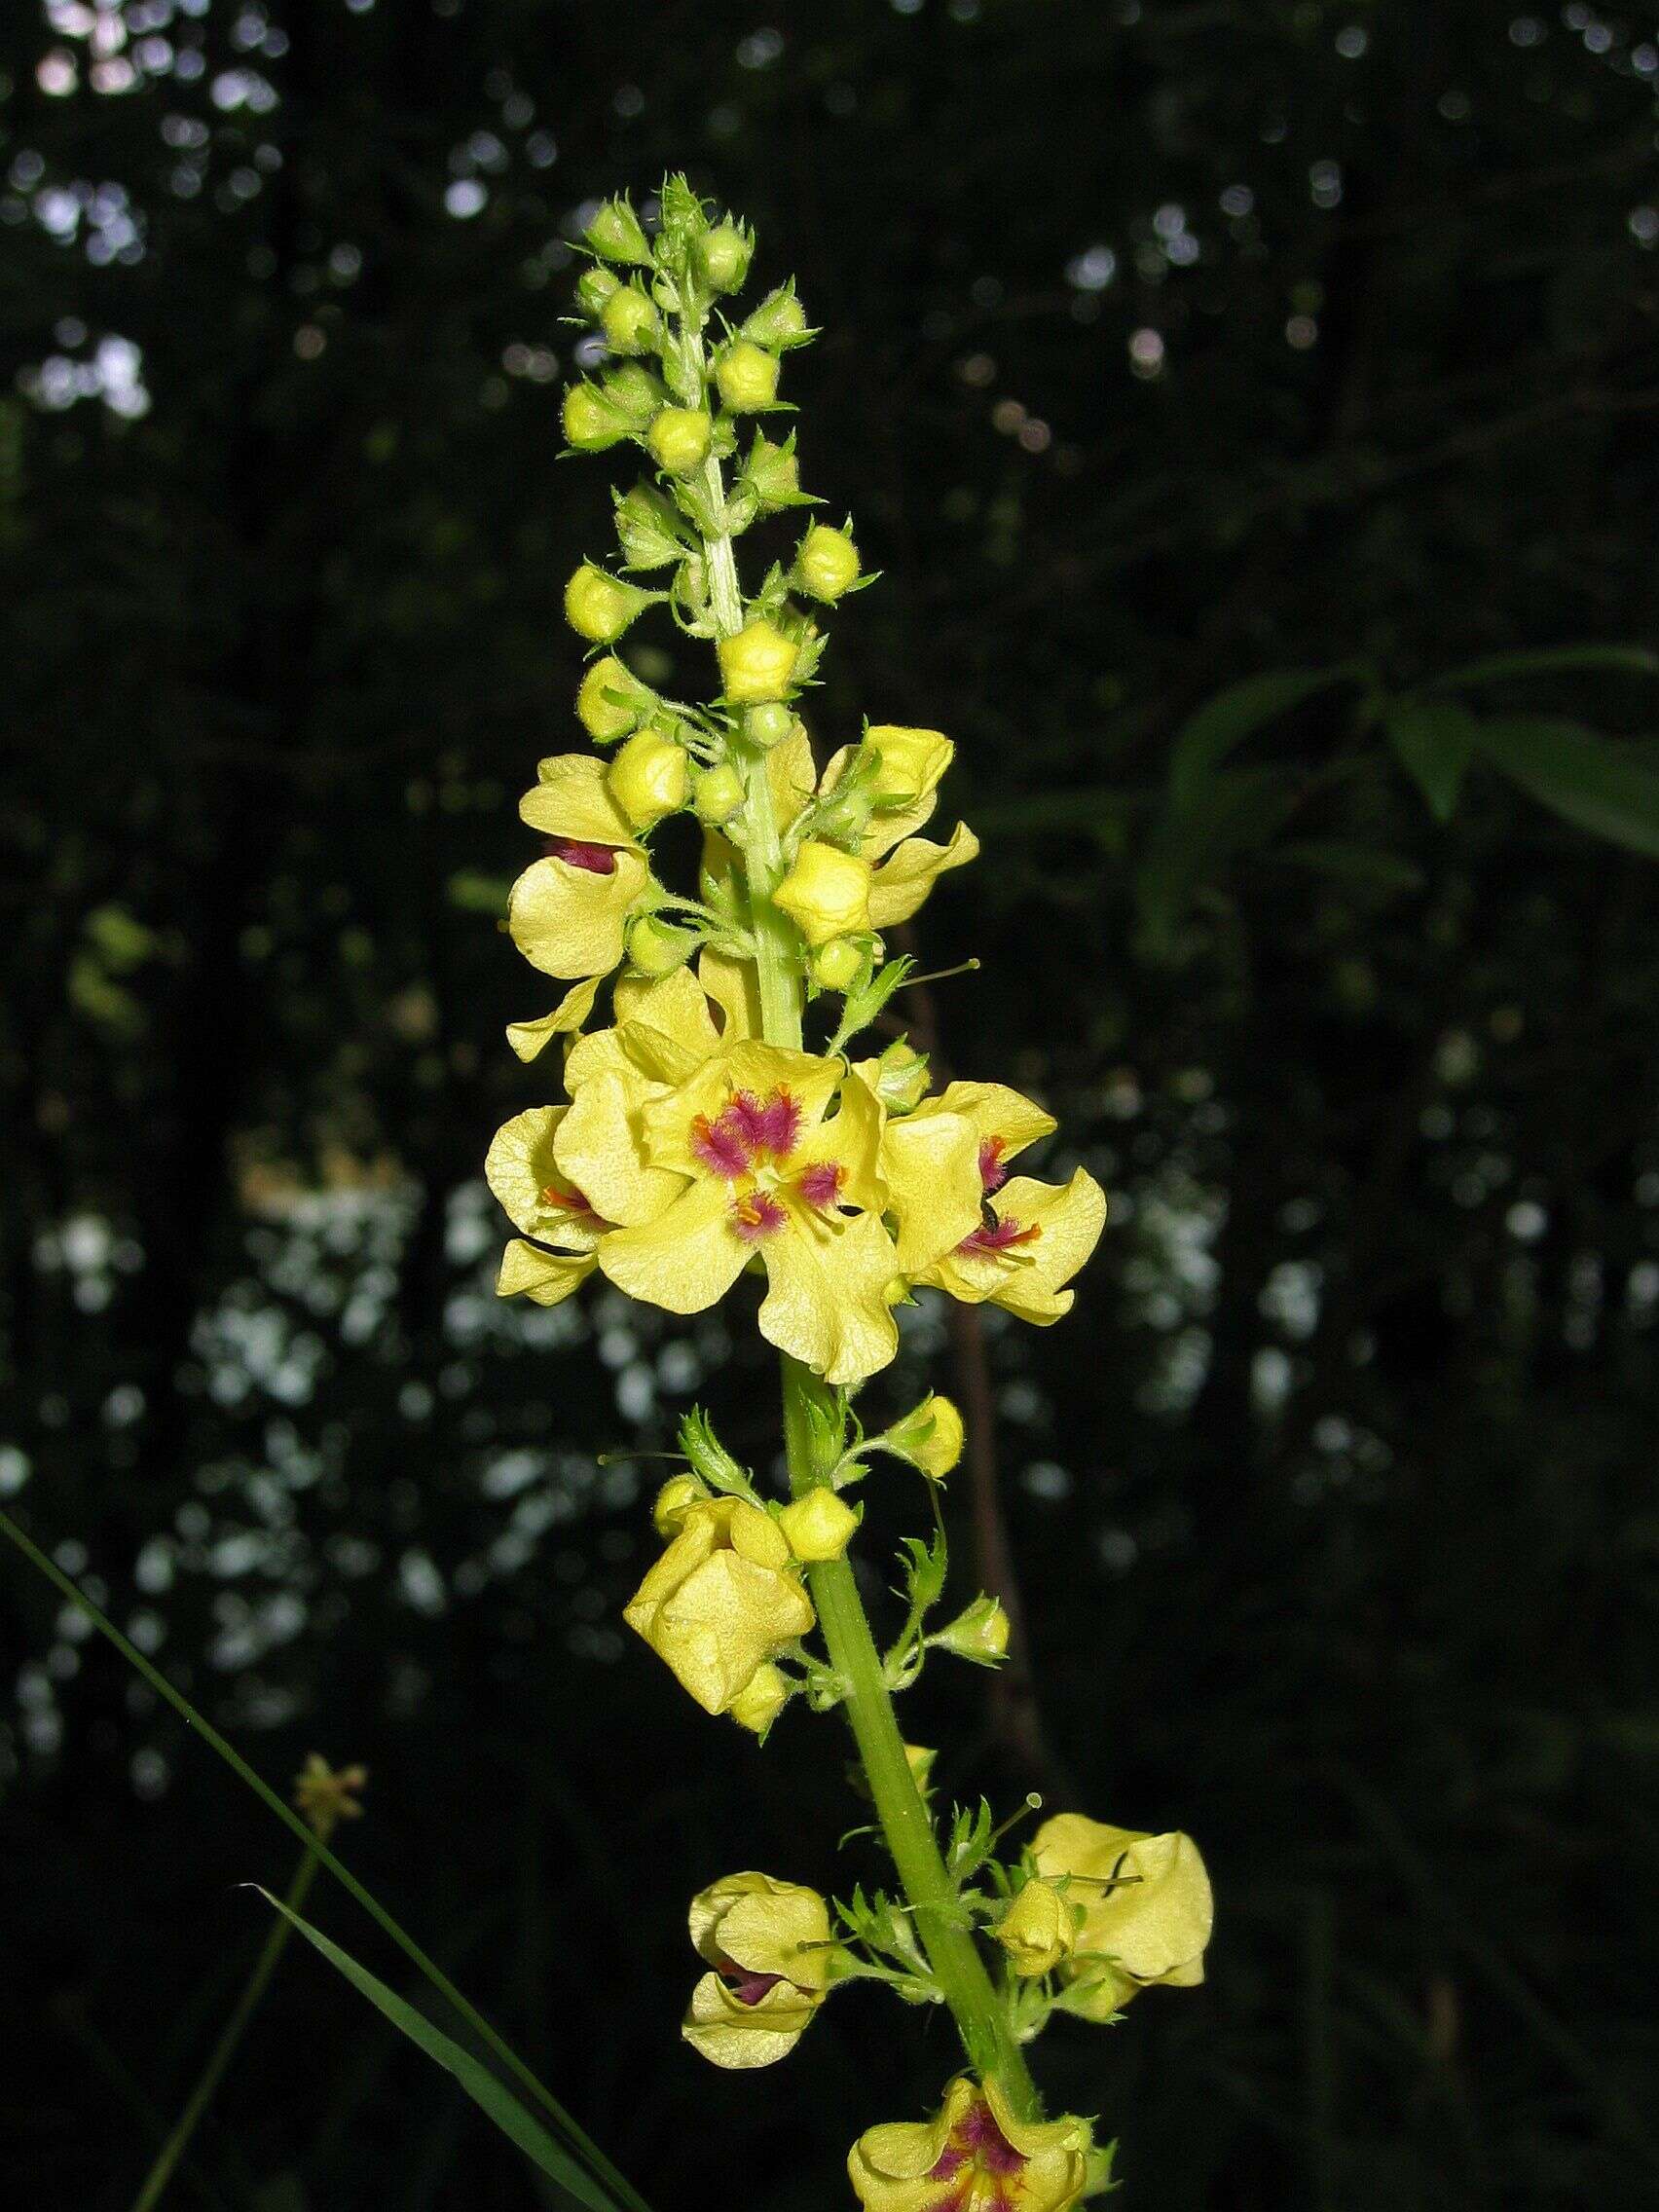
x: 1544, y: 660
x: 1224, y: 723
x: 1586, y: 779
x: 1434, y: 741
x: 487, y: 2093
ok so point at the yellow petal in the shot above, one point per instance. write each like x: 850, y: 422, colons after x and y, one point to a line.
x: 668, y: 1118
x: 826, y: 1302
x: 893, y: 825
x: 572, y: 799
x: 529, y: 1038
x: 568, y: 921
x: 792, y: 775
x: 676, y: 1006
x: 996, y: 1111
x: 931, y: 1160
x: 1029, y: 1279
x: 684, y: 1260
x: 852, y: 1140
x: 545, y: 1277
x: 729, y: 2033
x: 520, y: 1168
x: 904, y: 880
x: 734, y: 985
x: 599, y: 1147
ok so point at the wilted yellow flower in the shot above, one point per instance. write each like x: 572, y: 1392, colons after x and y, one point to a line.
x: 818, y: 1525
x: 1037, y: 1931
x: 759, y: 1705
x: 522, y: 1171
x: 1146, y: 1909
x: 723, y: 1601
x: 769, y: 1946
x: 908, y: 762
x: 568, y: 912
x: 759, y: 1169
x: 675, y: 1495
x: 610, y: 700
x: 974, y: 2155
x: 826, y: 893
x: 327, y: 1795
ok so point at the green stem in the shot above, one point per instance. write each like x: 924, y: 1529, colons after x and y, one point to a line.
x: 942, y: 1923
x: 595, y: 2157
x: 224, y: 2050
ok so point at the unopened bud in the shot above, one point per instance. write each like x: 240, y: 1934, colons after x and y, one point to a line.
x: 716, y: 794
x: 779, y: 320
x: 826, y: 893
x: 648, y: 529
x: 615, y: 233
x: 908, y: 762
x: 612, y: 701
x: 658, y: 948
x: 929, y: 1436
x: 819, y: 1525
x: 747, y: 375
x: 756, y: 664
x: 675, y: 1495
x: 901, y: 1077
x: 593, y: 288
x: 725, y: 255
x: 978, y: 1633
x: 599, y: 608
x: 591, y: 421
x: 629, y: 320
x: 768, y: 724
x: 757, y: 1705
x: 771, y: 476
x: 836, y: 965
x: 650, y: 777
x: 678, y: 437
x: 827, y: 562
x: 1037, y: 1931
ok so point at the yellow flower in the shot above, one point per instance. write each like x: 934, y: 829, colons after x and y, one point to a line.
x: 721, y: 1602
x: 1147, y: 1910
x: 974, y: 2155
x: 929, y: 1436
x: 522, y: 1170
x: 827, y: 893
x: 1037, y: 1929
x: 568, y: 912
x: 769, y: 1946
x: 908, y: 762
x: 327, y: 1795
x: 650, y: 777
x: 1034, y: 1239
x: 762, y: 1170
x: 759, y: 1705
x: 529, y: 1038
x: 945, y: 1160
x: 907, y: 867
x: 818, y: 1525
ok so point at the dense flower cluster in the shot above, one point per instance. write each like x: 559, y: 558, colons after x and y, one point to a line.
x: 700, y: 1140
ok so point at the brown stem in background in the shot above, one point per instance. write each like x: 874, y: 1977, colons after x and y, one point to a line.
x: 1013, y: 1710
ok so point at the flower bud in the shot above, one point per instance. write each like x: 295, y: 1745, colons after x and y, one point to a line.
x: 908, y: 762
x: 768, y: 724
x: 835, y: 966
x: 634, y: 392
x: 599, y: 608
x: 658, y: 948
x: 672, y: 1500
x: 593, y: 288
x: 771, y: 476
x: 826, y: 563
x: 779, y: 320
x: 901, y: 1077
x: 756, y: 1708
x: 649, y: 778
x: 978, y: 1633
x: 826, y: 893
x: 819, y: 1525
x: 648, y: 529
x: 614, y: 234
x: 929, y: 1436
x: 747, y: 375
x: 591, y: 421
x: 612, y: 700
x: 1037, y: 1929
x: 716, y: 794
x: 756, y: 664
x: 679, y: 438
x: 725, y: 255
x: 629, y: 320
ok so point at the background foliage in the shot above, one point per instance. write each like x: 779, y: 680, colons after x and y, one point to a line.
x: 1168, y: 348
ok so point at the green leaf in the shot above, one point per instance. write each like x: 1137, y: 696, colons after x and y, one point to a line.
x: 1585, y: 778
x: 1636, y: 660
x: 1362, y: 865
x: 487, y: 2093
x: 1434, y: 742
x: 1224, y: 723
x: 1230, y: 811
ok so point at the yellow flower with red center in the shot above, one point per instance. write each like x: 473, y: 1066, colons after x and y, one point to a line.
x: 722, y: 1601
x: 568, y: 911
x: 522, y: 1172
x: 1146, y: 1909
x: 905, y: 867
x: 769, y: 1947
x: 974, y: 2155
x: 744, y: 1161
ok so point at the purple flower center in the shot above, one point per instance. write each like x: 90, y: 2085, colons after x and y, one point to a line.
x: 576, y: 852
x: 980, y: 2164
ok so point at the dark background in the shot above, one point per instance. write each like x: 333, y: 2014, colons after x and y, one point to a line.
x: 1167, y: 347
